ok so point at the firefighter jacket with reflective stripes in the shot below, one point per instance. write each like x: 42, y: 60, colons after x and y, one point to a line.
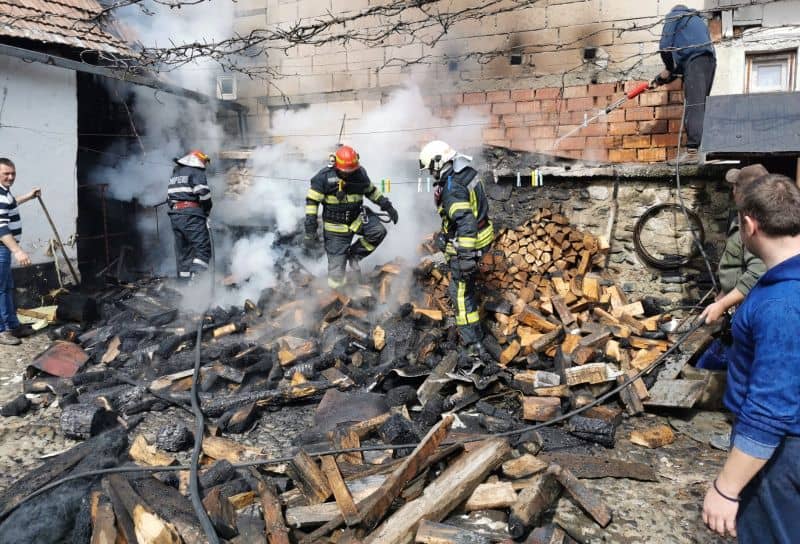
x: 465, y: 213
x: 189, y: 184
x: 342, y: 200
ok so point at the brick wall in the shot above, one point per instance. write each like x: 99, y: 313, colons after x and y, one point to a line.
x: 644, y: 129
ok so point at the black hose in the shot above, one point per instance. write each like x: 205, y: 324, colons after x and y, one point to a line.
x: 266, y: 462
x: 674, y: 261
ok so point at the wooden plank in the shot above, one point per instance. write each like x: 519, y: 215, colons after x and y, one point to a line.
x: 675, y: 393
x: 596, y: 339
x: 449, y: 490
x: 523, y: 466
x: 437, y: 379
x: 647, y: 343
x: 598, y: 466
x: 439, y: 533
x: 378, y: 503
x: 308, y: 478
x: 218, y: 447
x: 340, y: 492
x: 104, y: 531
x: 540, y: 408
x: 149, y: 528
x: 589, y: 373
x: 509, y: 353
x: 494, y: 496
x: 587, y: 499
x: 532, y: 503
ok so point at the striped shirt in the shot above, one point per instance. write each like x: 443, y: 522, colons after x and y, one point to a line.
x: 189, y: 185
x: 9, y: 214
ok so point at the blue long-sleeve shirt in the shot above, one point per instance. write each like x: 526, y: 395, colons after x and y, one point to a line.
x: 763, y: 389
x: 684, y: 37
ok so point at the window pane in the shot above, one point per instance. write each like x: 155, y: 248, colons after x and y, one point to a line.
x: 769, y: 76
x: 226, y: 85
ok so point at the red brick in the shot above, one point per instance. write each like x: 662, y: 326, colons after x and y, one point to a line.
x: 543, y: 132
x: 623, y: 128
x: 541, y: 118
x: 518, y: 133
x: 669, y: 112
x: 522, y: 95
x: 595, y: 154
x: 447, y: 112
x: 665, y: 140
x: 563, y: 130
x: 580, y: 104
x: 504, y: 107
x: 639, y: 114
x: 654, y: 98
x: 493, y: 133
x: 652, y: 154
x: 549, y: 105
x: 595, y: 129
x: 474, y: 98
x: 622, y: 155
x: 513, y: 120
x: 676, y: 97
x: 548, y: 93
x: 572, y: 143
x: 616, y: 116
x: 656, y: 126
x: 544, y: 144
x: 497, y: 96
x: 675, y: 126
x: 573, y: 117
x: 602, y: 89
x: 494, y: 120
x: 528, y: 107
x: 453, y: 99
x: 631, y: 85
x: 604, y: 142
x: 636, y: 142
x: 479, y: 109
x: 578, y: 91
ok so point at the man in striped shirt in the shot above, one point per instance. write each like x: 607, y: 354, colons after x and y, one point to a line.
x: 189, y: 200
x: 10, y: 231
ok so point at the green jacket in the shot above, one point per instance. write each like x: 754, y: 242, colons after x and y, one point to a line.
x: 738, y: 267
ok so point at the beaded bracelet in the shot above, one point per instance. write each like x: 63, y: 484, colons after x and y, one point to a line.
x: 723, y: 495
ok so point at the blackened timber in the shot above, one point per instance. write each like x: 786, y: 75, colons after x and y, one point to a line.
x: 104, y: 530
x: 221, y: 513
x: 238, y: 420
x: 215, y: 406
x: 308, y: 478
x: 277, y: 532
x: 144, y: 521
x: 595, y: 430
x: 586, y: 498
x: 532, y: 503
x: 82, y: 421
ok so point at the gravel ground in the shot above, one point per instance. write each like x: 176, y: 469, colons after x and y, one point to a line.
x: 667, y: 511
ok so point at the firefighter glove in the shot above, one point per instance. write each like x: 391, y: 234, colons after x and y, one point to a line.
x: 388, y: 208
x: 466, y: 265
x: 440, y: 241
x: 658, y: 81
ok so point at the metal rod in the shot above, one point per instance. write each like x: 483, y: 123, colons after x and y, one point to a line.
x: 58, y: 239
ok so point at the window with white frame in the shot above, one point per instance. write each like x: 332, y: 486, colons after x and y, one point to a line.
x: 226, y: 87
x: 770, y: 72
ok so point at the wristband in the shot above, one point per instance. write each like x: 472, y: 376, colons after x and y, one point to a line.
x: 723, y: 495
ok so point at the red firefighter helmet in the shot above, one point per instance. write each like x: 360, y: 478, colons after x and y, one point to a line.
x: 345, y: 159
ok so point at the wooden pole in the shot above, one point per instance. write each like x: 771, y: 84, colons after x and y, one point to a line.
x: 58, y: 239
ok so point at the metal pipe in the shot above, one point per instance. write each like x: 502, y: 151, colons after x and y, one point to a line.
x: 58, y: 239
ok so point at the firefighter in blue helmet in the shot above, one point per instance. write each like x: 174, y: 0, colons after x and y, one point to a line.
x: 341, y: 187
x: 467, y: 233
x: 189, y: 200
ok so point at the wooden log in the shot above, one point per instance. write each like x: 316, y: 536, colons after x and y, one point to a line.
x: 589, y: 373
x: 534, y: 319
x: 378, y: 503
x: 434, y: 315
x: 566, y: 317
x: 368, y: 426
x: 277, y: 532
x: 340, y: 492
x: 449, y: 490
x: 147, y: 454
x: 346, y: 438
x: 439, y: 533
x: 583, y: 355
x: 630, y: 399
x: 238, y: 420
x: 308, y: 478
x: 532, y: 503
x: 174, y: 437
x: 647, y: 343
x: 437, y: 379
x: 509, y: 353
x: 644, y: 358
x: 104, y: 530
x: 596, y: 339
x: 634, y: 309
x: 221, y: 513
x: 540, y: 408
x: 148, y: 527
x: 594, y: 430
x: 570, y: 342
x: 217, y: 447
x: 591, y: 288
x: 587, y: 499
x: 653, y: 437
x: 494, y: 496
x: 82, y: 421
x: 523, y: 466
x: 546, y: 340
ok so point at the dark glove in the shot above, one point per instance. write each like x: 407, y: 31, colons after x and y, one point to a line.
x: 388, y: 208
x: 658, y: 81
x: 440, y: 241
x: 466, y: 266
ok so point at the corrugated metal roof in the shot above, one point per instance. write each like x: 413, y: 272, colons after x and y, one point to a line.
x: 75, y: 23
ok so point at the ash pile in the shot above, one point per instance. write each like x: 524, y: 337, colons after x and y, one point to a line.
x: 413, y: 438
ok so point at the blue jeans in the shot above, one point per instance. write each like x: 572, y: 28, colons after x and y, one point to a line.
x: 770, y: 509
x: 8, y: 310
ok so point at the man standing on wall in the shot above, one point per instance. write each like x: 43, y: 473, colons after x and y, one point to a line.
x: 10, y: 231
x: 687, y: 51
x: 467, y: 232
x: 757, y: 493
x: 189, y: 199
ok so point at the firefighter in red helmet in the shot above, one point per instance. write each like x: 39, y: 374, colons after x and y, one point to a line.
x: 341, y: 187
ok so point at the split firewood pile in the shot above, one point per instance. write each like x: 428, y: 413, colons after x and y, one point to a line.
x: 430, y: 434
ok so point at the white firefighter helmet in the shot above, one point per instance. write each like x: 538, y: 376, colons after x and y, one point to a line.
x: 196, y: 159
x: 435, y: 155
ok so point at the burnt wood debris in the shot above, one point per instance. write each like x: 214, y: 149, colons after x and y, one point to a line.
x: 410, y: 431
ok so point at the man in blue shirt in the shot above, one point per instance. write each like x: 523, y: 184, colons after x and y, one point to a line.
x: 757, y: 493
x: 687, y: 51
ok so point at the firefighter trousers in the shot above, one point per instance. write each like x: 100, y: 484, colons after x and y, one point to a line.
x: 192, y: 243
x: 341, y: 249
x: 464, y: 297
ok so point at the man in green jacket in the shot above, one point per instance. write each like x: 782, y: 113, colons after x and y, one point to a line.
x: 738, y: 271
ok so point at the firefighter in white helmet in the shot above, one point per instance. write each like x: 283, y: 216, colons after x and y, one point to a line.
x: 466, y: 232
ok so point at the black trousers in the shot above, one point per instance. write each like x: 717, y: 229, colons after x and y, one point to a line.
x: 340, y: 247
x: 464, y: 298
x: 192, y: 243
x: 698, y: 78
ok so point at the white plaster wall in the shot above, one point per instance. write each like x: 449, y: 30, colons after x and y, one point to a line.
x: 42, y: 100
